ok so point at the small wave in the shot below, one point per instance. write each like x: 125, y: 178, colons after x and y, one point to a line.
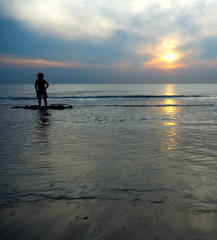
x: 165, y: 105
x: 107, y: 97
x: 135, y: 190
x: 17, y: 98
x: 126, y: 96
x: 145, y: 105
x: 40, y: 197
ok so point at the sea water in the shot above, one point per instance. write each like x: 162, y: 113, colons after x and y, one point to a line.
x: 154, y: 143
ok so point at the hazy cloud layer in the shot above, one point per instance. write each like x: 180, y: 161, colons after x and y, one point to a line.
x: 138, y: 33
x: 97, y: 20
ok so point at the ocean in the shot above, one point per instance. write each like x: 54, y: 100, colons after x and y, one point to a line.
x: 152, y: 143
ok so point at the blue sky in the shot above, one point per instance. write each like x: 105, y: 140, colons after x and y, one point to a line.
x: 109, y: 41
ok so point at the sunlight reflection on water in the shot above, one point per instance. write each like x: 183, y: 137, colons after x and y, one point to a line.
x: 169, y: 135
x: 161, y: 153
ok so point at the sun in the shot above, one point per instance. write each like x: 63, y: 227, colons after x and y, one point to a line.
x: 170, y: 57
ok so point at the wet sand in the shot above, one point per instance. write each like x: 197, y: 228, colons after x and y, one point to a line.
x: 104, y: 220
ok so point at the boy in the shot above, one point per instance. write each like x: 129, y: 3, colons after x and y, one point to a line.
x: 40, y: 86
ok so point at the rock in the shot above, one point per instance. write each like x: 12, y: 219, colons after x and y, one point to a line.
x: 52, y: 106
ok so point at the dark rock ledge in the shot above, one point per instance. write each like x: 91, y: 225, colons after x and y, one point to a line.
x: 52, y: 106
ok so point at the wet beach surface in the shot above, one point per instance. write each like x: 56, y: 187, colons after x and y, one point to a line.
x: 106, y: 171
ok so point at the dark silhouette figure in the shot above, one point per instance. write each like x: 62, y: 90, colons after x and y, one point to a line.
x: 40, y: 86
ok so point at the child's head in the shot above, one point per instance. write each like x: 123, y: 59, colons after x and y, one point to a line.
x: 40, y: 75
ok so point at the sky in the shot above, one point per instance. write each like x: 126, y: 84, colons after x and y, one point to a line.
x: 108, y: 41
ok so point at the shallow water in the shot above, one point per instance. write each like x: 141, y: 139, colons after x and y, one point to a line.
x: 154, y: 143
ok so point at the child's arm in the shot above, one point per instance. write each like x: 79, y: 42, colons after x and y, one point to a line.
x: 36, y: 86
x: 47, y: 84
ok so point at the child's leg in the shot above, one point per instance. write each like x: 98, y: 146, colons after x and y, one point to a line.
x: 45, y: 101
x: 39, y: 101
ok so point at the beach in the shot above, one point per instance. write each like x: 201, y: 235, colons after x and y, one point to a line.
x: 94, y: 219
x: 126, y: 162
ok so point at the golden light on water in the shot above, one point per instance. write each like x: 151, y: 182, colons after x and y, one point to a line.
x: 170, y: 141
x: 170, y: 123
x: 170, y: 90
x: 170, y: 102
x: 171, y: 109
x: 169, y: 136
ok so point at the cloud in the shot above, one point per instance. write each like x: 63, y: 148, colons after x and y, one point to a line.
x: 98, y: 20
x: 151, y: 28
x: 69, y: 20
x: 43, y: 63
x: 13, y: 60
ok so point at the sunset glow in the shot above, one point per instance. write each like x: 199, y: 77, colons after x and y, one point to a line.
x: 170, y: 57
x: 165, y: 55
x: 135, y: 41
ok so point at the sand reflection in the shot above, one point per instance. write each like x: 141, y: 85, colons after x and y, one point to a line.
x: 169, y: 136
